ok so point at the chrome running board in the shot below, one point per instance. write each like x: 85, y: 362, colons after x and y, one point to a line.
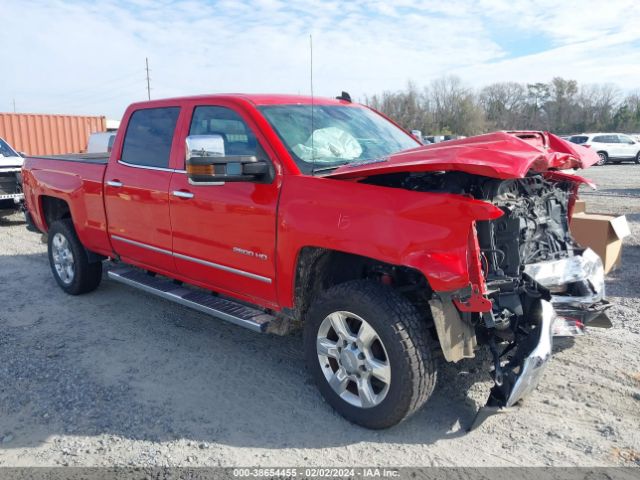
x: 228, y: 310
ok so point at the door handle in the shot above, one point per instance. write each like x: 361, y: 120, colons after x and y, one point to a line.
x: 182, y: 194
x: 114, y: 183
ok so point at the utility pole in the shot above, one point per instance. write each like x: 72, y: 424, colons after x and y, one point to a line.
x: 148, y: 84
x: 14, y: 105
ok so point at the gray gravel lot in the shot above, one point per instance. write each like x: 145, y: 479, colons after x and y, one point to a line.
x: 118, y: 377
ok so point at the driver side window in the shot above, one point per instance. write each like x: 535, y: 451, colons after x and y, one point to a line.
x: 237, y: 136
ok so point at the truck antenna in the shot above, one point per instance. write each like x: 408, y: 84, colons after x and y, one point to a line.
x: 148, y: 83
x: 313, y: 152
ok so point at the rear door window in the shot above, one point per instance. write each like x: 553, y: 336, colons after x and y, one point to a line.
x: 149, y: 136
x: 602, y: 139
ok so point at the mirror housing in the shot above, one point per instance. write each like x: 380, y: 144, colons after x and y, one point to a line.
x: 206, y: 163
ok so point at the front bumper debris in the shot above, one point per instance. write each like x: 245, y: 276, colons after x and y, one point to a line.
x: 521, y: 374
x: 577, y: 291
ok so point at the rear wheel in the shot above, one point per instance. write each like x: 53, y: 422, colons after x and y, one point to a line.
x: 68, y: 259
x: 637, y: 159
x: 369, y: 353
x: 603, y: 158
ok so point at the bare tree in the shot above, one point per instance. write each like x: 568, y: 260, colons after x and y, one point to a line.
x: 405, y: 107
x: 504, y: 105
x: 455, y: 107
x: 562, y: 106
x: 596, y: 105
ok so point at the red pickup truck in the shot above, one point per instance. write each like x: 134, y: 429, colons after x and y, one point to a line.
x: 276, y: 212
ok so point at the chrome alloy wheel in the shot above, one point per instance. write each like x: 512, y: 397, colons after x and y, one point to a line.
x: 63, y: 258
x: 353, y: 359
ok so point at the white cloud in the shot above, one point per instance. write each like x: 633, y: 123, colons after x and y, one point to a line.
x: 76, y: 57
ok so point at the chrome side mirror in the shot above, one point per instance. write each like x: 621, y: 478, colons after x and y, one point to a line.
x: 206, y: 162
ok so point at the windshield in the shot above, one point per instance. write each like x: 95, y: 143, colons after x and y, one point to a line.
x: 341, y: 135
x: 6, y: 150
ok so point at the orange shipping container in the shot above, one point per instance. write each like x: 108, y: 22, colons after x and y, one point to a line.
x: 36, y: 134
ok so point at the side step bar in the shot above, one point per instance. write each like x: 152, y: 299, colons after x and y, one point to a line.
x: 228, y: 310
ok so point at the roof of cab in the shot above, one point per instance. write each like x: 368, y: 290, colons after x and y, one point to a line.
x: 257, y: 99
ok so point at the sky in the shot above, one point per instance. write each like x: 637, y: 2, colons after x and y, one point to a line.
x: 88, y: 57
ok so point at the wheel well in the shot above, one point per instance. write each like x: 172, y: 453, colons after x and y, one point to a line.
x: 54, y: 209
x: 319, y: 269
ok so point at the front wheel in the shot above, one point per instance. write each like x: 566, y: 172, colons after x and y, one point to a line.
x: 68, y: 259
x: 369, y: 352
x: 637, y: 159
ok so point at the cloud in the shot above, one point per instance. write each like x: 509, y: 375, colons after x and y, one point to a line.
x: 82, y: 57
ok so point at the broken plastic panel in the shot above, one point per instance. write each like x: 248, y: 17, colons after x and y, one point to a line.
x: 556, y: 274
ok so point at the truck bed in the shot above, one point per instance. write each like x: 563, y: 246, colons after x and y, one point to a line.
x: 76, y: 180
x: 97, y: 158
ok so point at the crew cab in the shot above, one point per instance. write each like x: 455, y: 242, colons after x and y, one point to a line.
x: 277, y: 212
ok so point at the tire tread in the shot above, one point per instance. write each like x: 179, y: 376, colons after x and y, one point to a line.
x: 416, y: 343
x: 87, y: 275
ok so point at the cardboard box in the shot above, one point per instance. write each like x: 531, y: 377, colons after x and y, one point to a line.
x: 603, y: 234
x: 580, y: 207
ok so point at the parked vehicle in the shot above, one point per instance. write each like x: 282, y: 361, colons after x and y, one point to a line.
x: 100, y: 142
x: 442, y: 138
x: 385, y: 252
x: 610, y: 147
x: 11, y: 195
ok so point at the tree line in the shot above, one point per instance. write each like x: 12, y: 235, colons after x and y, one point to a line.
x: 448, y: 106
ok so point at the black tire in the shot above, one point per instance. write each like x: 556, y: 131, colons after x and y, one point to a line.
x: 404, y: 336
x: 604, y: 158
x: 637, y: 159
x: 86, y: 276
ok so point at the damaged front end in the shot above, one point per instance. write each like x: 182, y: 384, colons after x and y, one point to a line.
x: 532, y: 280
x: 541, y: 282
x: 528, y: 279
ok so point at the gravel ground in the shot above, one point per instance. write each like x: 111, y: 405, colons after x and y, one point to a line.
x: 118, y: 377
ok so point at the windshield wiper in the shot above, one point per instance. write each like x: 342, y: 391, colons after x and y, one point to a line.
x: 326, y: 169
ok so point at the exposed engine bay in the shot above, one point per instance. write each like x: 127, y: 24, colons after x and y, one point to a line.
x: 539, y: 280
x: 529, y: 250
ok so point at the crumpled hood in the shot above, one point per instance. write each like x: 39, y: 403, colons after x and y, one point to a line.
x: 499, y: 154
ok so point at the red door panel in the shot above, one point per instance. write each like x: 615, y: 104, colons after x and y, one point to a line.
x: 225, y: 236
x: 138, y: 214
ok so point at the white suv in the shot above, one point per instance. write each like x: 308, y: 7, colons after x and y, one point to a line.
x: 611, y: 147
